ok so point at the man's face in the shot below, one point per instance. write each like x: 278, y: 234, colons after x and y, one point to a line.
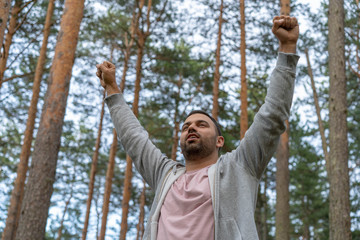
x: 198, y: 137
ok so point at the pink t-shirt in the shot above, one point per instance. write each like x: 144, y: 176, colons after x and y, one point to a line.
x: 187, y: 211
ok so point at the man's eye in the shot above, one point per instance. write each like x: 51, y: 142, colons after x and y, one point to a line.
x: 184, y: 128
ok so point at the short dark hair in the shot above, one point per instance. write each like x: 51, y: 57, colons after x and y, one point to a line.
x: 217, y: 125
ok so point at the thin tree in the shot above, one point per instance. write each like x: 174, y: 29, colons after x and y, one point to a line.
x: 142, y: 36
x: 108, y: 186
x: 35, y: 207
x: 18, y: 191
x: 176, y: 121
x: 113, y: 148
x: 215, y: 109
x: 282, y: 218
x: 4, y: 15
x: 243, y: 94
x: 339, y: 212
x: 14, y: 25
x: 140, y: 226
x: 317, y: 108
x: 13, y: 22
x: 93, y: 171
x: 108, y: 178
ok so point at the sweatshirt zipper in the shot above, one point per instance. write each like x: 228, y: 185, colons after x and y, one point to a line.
x: 163, y: 184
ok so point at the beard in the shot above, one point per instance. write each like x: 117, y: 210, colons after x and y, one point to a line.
x: 200, y: 148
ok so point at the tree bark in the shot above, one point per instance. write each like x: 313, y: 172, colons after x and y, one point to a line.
x: 9, y: 37
x: 339, y: 212
x: 140, y: 226
x: 215, y: 109
x: 108, y: 186
x: 317, y: 107
x: 127, y: 53
x: 39, y: 188
x: 282, y: 188
x: 93, y: 171
x: 176, y: 121
x: 18, y: 191
x: 142, y: 36
x: 128, y: 171
x: 243, y: 93
x: 4, y: 15
x: 285, y: 7
x: 282, y: 217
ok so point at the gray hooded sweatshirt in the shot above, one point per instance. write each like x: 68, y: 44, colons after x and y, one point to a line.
x: 235, y: 178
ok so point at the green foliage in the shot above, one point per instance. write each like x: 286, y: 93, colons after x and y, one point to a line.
x: 308, y: 184
x: 181, y: 46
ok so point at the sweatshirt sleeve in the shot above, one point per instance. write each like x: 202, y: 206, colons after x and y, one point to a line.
x: 260, y: 141
x: 147, y: 158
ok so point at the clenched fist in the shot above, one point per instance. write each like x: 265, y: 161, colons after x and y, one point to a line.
x: 106, y: 74
x: 286, y: 29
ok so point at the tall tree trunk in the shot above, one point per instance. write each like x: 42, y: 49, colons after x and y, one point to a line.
x: 18, y: 191
x: 4, y: 15
x: 282, y: 224
x: 243, y: 93
x: 39, y: 188
x: 129, y: 44
x: 108, y: 185
x: 140, y: 226
x: 339, y: 212
x: 142, y: 36
x: 215, y: 109
x: 285, y: 7
x: 282, y: 217
x: 9, y: 37
x: 176, y: 121
x: 97, y: 209
x: 93, y: 172
x: 109, y: 174
x: 317, y: 107
x: 128, y: 170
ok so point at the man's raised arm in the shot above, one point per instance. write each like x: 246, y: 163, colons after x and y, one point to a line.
x: 147, y: 158
x: 261, y: 139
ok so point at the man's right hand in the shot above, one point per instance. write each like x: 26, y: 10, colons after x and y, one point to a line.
x: 286, y: 29
x: 106, y: 74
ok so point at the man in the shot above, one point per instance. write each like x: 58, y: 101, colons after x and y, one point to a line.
x: 211, y: 197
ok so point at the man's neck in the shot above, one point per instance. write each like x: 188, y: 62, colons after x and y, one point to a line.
x: 199, y: 163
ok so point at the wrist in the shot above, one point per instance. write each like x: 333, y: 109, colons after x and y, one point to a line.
x: 287, y: 48
x: 112, y: 89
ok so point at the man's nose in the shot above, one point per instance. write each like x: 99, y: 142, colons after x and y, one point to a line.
x: 191, y: 128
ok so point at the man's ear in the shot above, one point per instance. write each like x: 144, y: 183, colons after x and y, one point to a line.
x: 220, y: 141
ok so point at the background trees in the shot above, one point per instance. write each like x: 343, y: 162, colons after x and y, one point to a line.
x: 177, y: 62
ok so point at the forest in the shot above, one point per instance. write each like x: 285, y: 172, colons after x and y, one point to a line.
x: 65, y: 175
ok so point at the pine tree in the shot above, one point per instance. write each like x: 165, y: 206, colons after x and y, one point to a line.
x: 18, y: 191
x: 243, y: 93
x: 282, y: 170
x: 215, y: 109
x: 93, y: 171
x: 13, y: 26
x: 4, y: 14
x: 339, y: 214
x: 39, y: 188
